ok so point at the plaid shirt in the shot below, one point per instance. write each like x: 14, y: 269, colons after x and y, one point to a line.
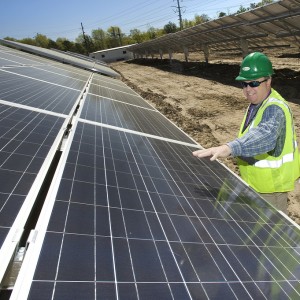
x: 268, y: 136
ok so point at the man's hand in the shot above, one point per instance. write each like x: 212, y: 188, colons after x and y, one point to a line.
x: 214, y: 152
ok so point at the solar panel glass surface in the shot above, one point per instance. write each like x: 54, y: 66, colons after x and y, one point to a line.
x: 112, y: 84
x: 37, y: 94
x: 63, y: 78
x: 159, y: 223
x: 66, y: 70
x: 118, y: 95
x: 25, y: 140
x: 12, y: 57
x: 122, y: 115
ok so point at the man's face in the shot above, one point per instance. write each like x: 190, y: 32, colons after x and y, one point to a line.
x: 256, y: 95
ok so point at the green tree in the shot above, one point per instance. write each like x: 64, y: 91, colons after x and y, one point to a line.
x: 187, y: 23
x: 137, y: 36
x: 80, y: 39
x: 221, y: 14
x: 99, y: 38
x: 264, y: 2
x: 114, y: 37
x: 41, y: 40
x: 79, y: 48
x: 170, y: 27
x: 52, y: 44
x: 60, y: 44
x: 127, y: 40
x: 201, y: 19
x: 10, y: 39
x: 152, y: 33
x: 28, y: 41
x: 242, y: 9
x: 86, y: 43
x: 68, y: 46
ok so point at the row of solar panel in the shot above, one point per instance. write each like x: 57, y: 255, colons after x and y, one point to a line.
x: 275, y: 24
x: 64, y: 57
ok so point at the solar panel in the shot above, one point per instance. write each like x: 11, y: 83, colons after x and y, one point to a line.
x: 37, y: 93
x: 27, y: 142
x: 63, y: 79
x: 11, y: 57
x: 81, y: 56
x: 115, y: 94
x: 66, y: 70
x: 64, y: 58
x: 111, y: 84
x: 125, y: 211
x: 132, y: 117
x: 156, y: 222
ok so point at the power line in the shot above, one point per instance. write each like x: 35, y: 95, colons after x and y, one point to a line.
x: 154, y: 14
x: 128, y: 13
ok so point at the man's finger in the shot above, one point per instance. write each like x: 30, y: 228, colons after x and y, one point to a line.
x: 215, y: 156
x: 202, y: 153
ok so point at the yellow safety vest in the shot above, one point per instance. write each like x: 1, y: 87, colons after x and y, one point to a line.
x: 269, y: 174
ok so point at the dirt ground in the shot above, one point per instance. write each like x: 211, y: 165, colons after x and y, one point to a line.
x: 204, y: 99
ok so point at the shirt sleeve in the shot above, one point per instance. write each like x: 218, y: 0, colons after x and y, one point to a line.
x: 264, y: 137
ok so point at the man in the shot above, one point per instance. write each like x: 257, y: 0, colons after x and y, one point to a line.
x: 266, y: 147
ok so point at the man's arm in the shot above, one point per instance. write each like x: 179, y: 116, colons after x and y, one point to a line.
x: 260, y: 139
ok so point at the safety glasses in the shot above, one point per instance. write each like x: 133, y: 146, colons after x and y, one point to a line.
x: 252, y: 84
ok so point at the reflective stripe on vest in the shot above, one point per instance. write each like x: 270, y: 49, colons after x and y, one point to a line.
x: 274, y: 163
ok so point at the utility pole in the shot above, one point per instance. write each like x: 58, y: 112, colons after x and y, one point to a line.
x: 115, y: 34
x: 178, y: 7
x: 85, y: 40
x: 120, y: 37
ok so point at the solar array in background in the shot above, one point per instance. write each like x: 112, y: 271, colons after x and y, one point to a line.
x: 274, y: 25
x: 128, y: 212
x: 65, y: 57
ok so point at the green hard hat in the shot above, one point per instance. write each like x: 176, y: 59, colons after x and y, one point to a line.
x: 255, y: 65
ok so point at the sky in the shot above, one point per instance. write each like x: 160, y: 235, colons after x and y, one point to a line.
x: 63, y: 18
